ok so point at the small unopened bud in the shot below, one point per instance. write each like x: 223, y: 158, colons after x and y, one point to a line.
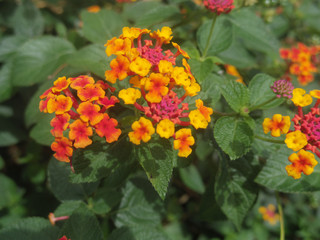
x: 283, y: 88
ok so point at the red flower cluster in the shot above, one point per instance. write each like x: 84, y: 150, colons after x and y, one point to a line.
x: 301, y: 62
x: 219, y: 6
x: 86, y: 114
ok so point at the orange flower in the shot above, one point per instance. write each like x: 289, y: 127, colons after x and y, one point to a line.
x: 107, y: 103
x: 142, y: 130
x: 60, y: 123
x: 277, y: 125
x: 302, y: 162
x: 93, y: 9
x: 60, y: 84
x: 63, y: 148
x: 119, y: 69
x: 163, y: 35
x: 59, y: 104
x: 156, y: 85
x: 269, y: 214
x: 183, y: 141
x: 90, y: 112
x: 118, y: 46
x: 81, y: 81
x: 91, y: 92
x: 80, y: 132
x: 205, y: 111
x: 107, y: 128
x: 183, y: 53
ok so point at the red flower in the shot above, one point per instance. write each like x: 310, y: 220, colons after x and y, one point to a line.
x: 107, y: 128
x: 63, y: 148
x: 59, y: 124
x: 80, y: 132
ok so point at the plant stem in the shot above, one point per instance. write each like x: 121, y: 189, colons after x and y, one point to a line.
x: 262, y: 104
x: 269, y: 140
x: 282, y: 232
x: 210, y: 35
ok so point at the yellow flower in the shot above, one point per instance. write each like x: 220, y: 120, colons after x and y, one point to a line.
x: 277, y: 125
x: 315, y: 93
x: 197, y: 119
x: 165, y: 66
x: 269, y: 214
x: 142, y: 130
x: 183, y: 141
x: 165, y: 128
x: 299, y: 97
x: 163, y: 36
x: 302, y: 162
x: 140, y: 66
x: 180, y: 76
x: 296, y: 140
x: 130, y: 95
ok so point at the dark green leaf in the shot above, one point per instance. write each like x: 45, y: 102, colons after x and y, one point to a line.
x: 62, y: 188
x: 99, y: 160
x: 10, y: 132
x: 234, y: 136
x: 6, y: 88
x: 260, y: 91
x: 91, y: 58
x: 38, y: 58
x: 30, y: 229
x: 140, y: 205
x: 274, y: 176
x: 192, y: 178
x: 210, y: 91
x: 235, y: 192
x: 66, y: 208
x: 10, y: 193
x: 82, y: 225
x: 221, y: 38
x: 105, y: 199
x: 102, y: 26
x: 137, y: 233
x: 156, y: 158
x: 253, y: 32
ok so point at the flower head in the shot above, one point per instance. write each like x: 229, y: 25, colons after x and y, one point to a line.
x: 183, y: 141
x: 59, y: 123
x: 277, y: 125
x: 303, y: 162
x: 269, y: 214
x: 296, y: 140
x: 219, y: 6
x: 62, y: 148
x: 107, y: 128
x: 129, y: 95
x: 165, y: 128
x: 282, y: 88
x: 142, y: 130
x: 300, y: 98
x: 80, y: 133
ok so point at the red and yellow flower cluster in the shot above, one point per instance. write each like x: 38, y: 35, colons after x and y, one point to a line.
x: 301, y: 62
x: 76, y: 117
x: 306, y: 134
x: 158, y: 86
x: 269, y: 214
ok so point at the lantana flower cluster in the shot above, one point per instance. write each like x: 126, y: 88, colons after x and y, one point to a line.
x: 80, y: 105
x: 301, y: 62
x: 158, y: 87
x: 269, y: 214
x: 306, y: 135
x: 219, y: 6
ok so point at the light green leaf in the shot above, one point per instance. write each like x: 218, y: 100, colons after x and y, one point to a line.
x: 192, y: 178
x: 221, y: 38
x: 210, y: 91
x: 41, y: 131
x: 156, y: 158
x: 274, y: 176
x: 30, y: 229
x: 9, y: 46
x: 201, y: 69
x: 62, y: 188
x: 6, y: 88
x: 91, y: 58
x: 140, y: 205
x: 10, y: 193
x: 260, y: 91
x: 38, y: 58
x: 234, y: 189
x: 82, y: 225
x: 102, y: 26
x: 234, y: 136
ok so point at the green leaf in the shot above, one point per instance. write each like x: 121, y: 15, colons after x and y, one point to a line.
x: 156, y: 158
x: 139, y: 232
x: 140, y: 205
x: 234, y: 136
x: 274, y: 176
x: 30, y: 229
x: 6, y: 88
x: 235, y: 192
x: 91, y: 58
x: 82, y: 225
x: 102, y: 26
x: 210, y: 91
x: 235, y: 93
x: 10, y: 193
x: 62, y: 188
x: 66, y: 208
x: 253, y: 32
x: 260, y: 91
x: 237, y: 56
x: 221, y: 38
x: 9, y: 46
x: 201, y: 69
x: 41, y: 131
x: 38, y: 58
x: 27, y: 20
x: 146, y: 14
x: 10, y: 132
x: 191, y: 177
x: 105, y: 199
x: 99, y: 160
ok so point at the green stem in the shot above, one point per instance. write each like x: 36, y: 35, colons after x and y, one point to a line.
x: 262, y: 104
x: 282, y: 232
x: 269, y: 140
x: 210, y: 36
